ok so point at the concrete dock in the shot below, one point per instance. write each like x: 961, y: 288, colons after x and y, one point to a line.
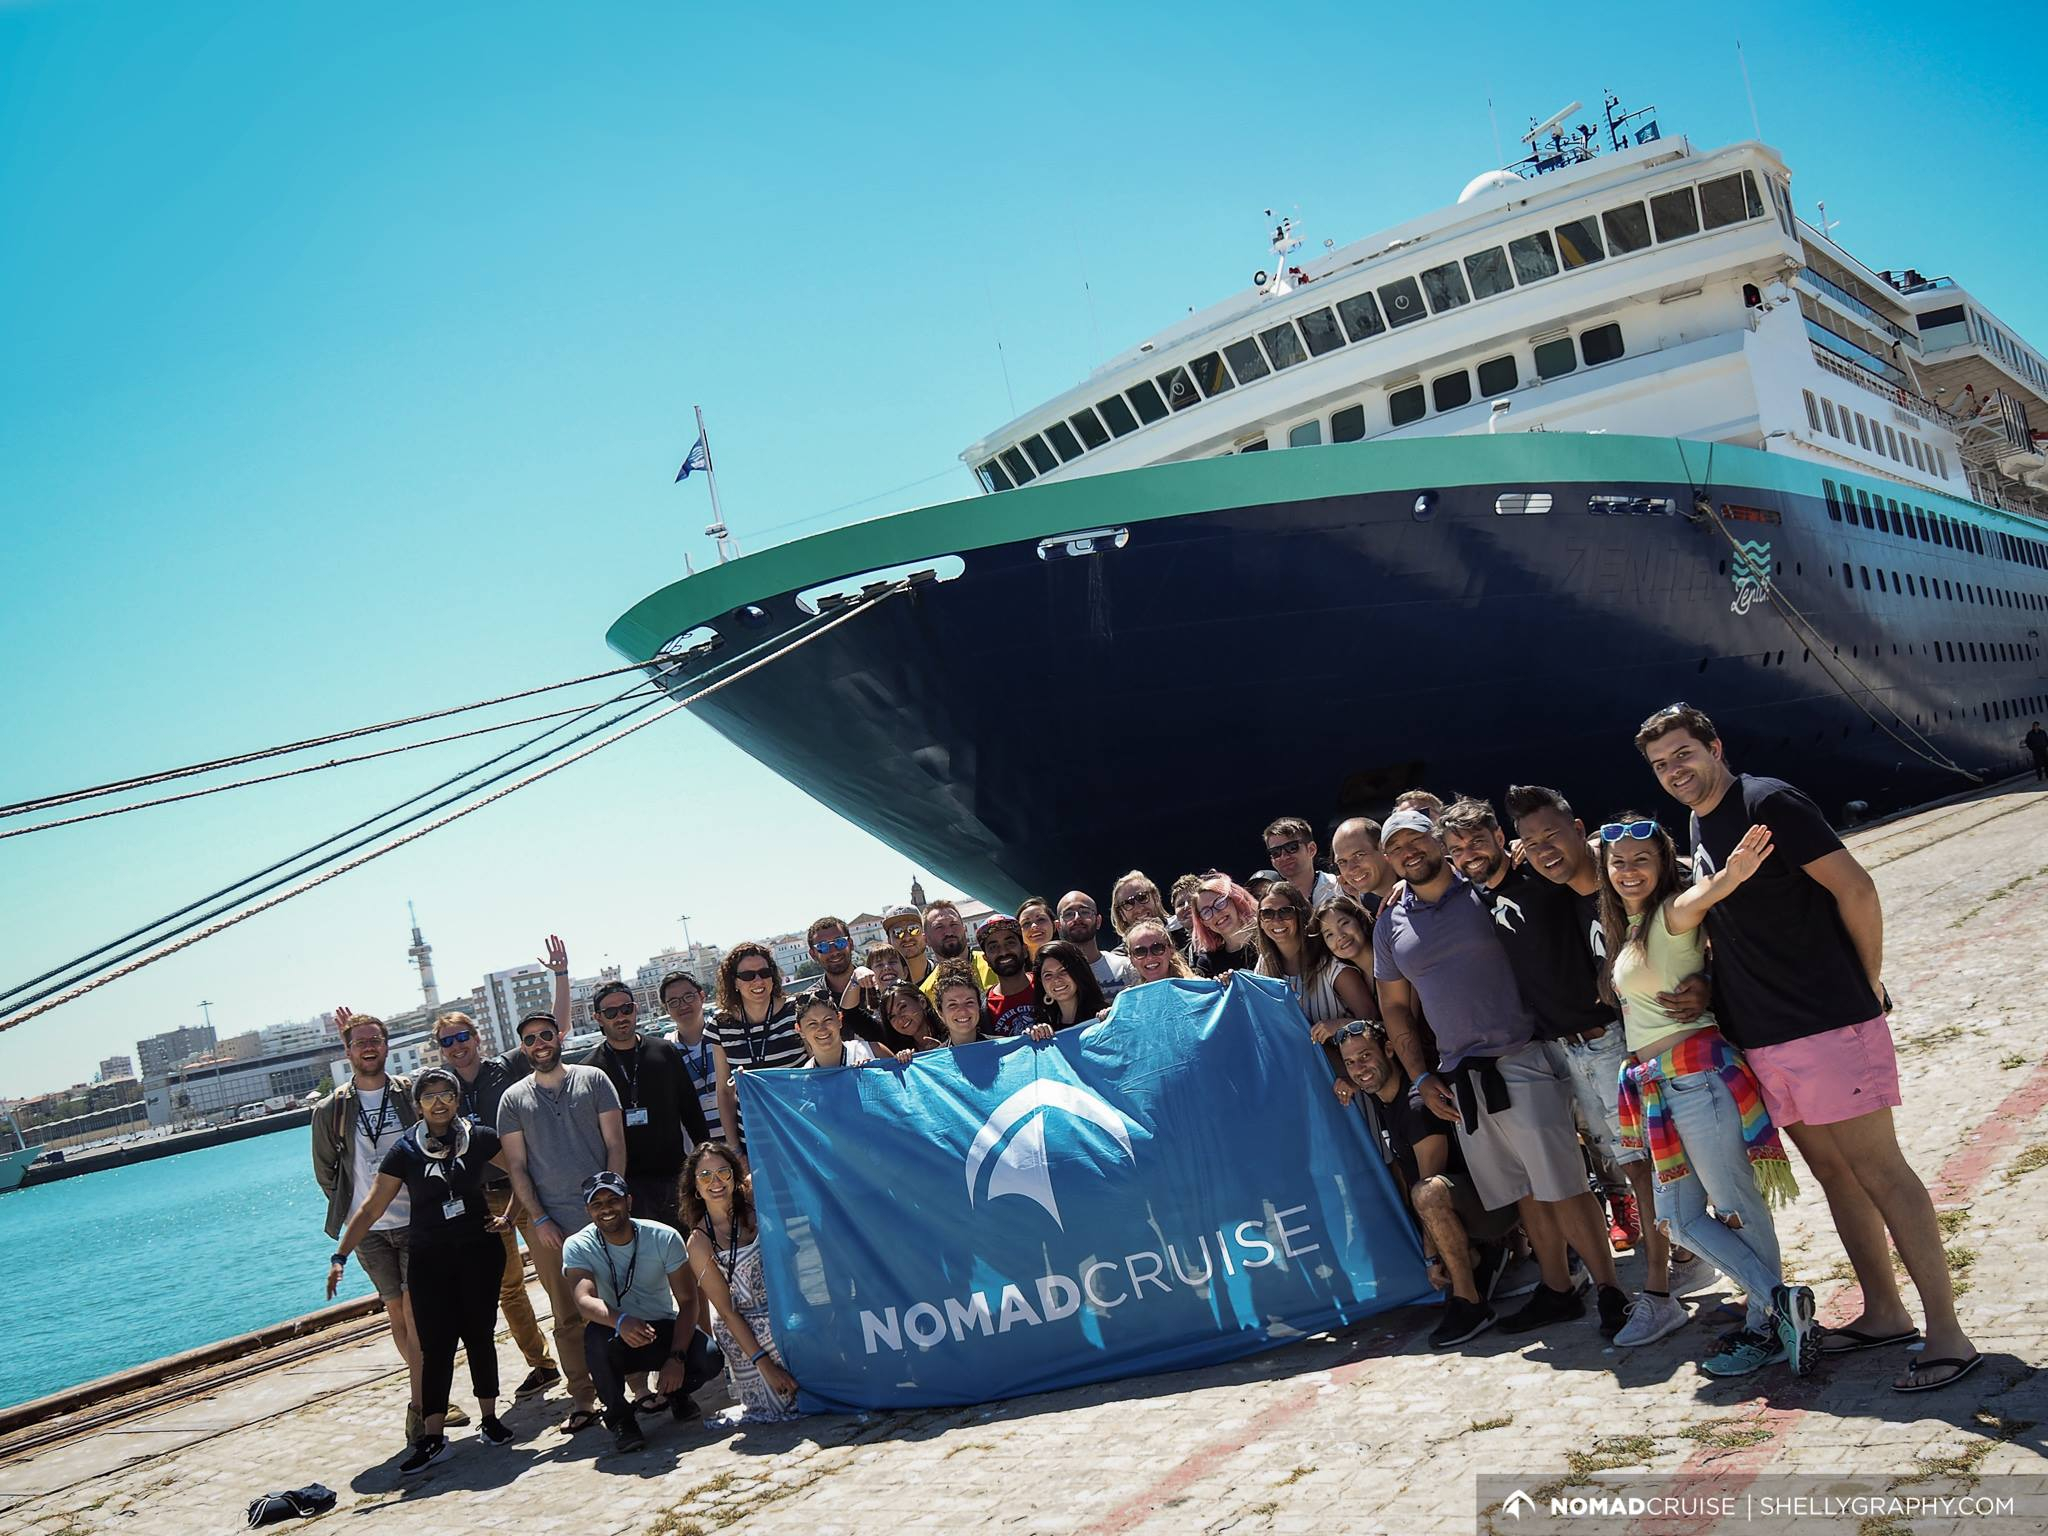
x: 1365, y: 1431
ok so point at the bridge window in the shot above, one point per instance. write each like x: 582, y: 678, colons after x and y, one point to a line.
x: 1488, y: 270
x: 1089, y: 425
x: 1602, y: 344
x: 1628, y: 228
x: 1402, y: 302
x: 1021, y: 472
x: 1117, y: 413
x: 992, y: 477
x: 1283, y: 347
x: 1040, y: 455
x: 1361, y: 317
x: 1445, y: 286
x: 1533, y: 257
x: 1675, y: 214
x: 1555, y: 358
x: 1150, y: 407
x: 1178, y: 388
x: 1406, y: 405
x: 1579, y: 243
x: 1063, y: 441
x: 1246, y: 361
x: 1497, y: 375
x: 1451, y: 390
x: 1319, y: 330
x: 1348, y: 425
x: 1210, y: 373
x: 1729, y: 200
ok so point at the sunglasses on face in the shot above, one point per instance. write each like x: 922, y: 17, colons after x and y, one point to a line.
x: 442, y: 1095
x: 831, y: 946
x: 619, y: 1011
x: 1132, y: 899
x: 907, y: 928
x: 1277, y: 914
x: 1147, y: 951
x: 1615, y: 831
x: 540, y: 1035
x: 1286, y: 850
x: 752, y: 975
x: 460, y: 1037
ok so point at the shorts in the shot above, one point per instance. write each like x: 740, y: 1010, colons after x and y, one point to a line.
x: 1531, y: 1148
x: 1481, y: 1224
x: 383, y: 1256
x: 1595, y: 1069
x: 1827, y: 1078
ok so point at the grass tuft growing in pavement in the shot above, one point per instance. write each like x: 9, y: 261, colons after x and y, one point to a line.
x: 1725, y: 1434
x: 1294, y: 1477
x: 2028, y: 1160
x: 2007, y: 1063
x: 1952, y: 1220
x: 1608, y: 1453
x: 1961, y: 1466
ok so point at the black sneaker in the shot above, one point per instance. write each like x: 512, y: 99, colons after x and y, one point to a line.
x: 629, y: 1438
x: 426, y: 1450
x: 538, y: 1380
x: 1544, y: 1307
x: 1613, y: 1310
x: 1495, y: 1260
x: 493, y: 1431
x: 1462, y: 1320
x: 681, y: 1407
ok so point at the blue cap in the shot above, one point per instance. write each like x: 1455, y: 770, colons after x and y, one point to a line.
x: 607, y: 1183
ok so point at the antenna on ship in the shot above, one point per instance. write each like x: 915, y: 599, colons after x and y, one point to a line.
x: 699, y: 457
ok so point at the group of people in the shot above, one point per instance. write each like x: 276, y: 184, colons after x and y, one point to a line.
x: 1526, y: 1011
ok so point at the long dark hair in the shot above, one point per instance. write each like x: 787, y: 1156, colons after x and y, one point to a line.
x: 1088, y: 998
x: 885, y: 1011
x: 691, y: 1205
x: 729, y: 1002
x: 1315, y: 954
x: 1614, y: 911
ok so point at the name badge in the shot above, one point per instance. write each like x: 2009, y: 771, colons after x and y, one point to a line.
x: 636, y: 1117
x: 451, y: 1210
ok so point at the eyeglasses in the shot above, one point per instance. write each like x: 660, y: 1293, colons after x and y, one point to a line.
x: 1286, y: 850
x: 1353, y: 1030
x: 1211, y: 910
x: 365, y: 1038
x: 619, y: 1011
x: 1148, y: 951
x: 444, y: 1095
x: 1615, y: 831
x: 1278, y: 915
x: 831, y: 946
x: 1067, y: 912
x: 460, y: 1037
x: 542, y: 1035
x: 752, y: 975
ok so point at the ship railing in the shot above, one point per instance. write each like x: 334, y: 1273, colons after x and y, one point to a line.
x: 1863, y: 378
x: 1849, y: 300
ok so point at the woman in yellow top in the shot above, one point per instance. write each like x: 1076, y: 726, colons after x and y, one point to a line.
x: 1688, y: 1094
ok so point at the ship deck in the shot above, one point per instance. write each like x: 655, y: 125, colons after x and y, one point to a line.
x: 1357, y: 1431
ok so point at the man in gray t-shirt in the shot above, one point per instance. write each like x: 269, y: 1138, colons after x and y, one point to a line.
x: 559, y: 1126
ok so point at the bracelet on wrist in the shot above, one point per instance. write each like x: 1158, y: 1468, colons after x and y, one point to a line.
x: 755, y: 1357
x: 338, y: 1257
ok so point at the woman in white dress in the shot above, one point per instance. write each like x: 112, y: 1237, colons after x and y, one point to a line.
x: 725, y: 1256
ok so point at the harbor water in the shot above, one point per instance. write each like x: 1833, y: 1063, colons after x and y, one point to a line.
x: 122, y: 1267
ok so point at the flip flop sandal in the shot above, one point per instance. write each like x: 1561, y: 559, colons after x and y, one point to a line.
x: 653, y: 1402
x: 1959, y: 1369
x: 1857, y: 1339
x: 579, y: 1421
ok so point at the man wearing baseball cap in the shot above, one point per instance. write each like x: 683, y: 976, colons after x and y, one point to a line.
x: 1510, y: 1097
x: 632, y: 1281
x: 905, y: 928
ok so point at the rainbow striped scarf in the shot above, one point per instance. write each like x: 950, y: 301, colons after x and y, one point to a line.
x: 1646, y: 1120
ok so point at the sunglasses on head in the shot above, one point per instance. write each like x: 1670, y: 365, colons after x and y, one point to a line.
x: 1353, y: 1030
x: 1148, y: 951
x: 1615, y: 831
x: 619, y: 1011
x: 459, y: 1037
x: 542, y: 1035
x: 1285, y: 850
x: 831, y: 946
x: 756, y: 975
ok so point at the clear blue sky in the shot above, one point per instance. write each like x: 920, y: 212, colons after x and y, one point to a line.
x: 346, y: 355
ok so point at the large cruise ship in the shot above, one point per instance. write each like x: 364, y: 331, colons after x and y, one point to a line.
x: 1452, y: 506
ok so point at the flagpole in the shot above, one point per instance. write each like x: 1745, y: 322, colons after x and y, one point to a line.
x: 710, y: 474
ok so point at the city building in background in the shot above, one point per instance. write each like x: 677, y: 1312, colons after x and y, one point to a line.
x: 159, y: 1053
x: 115, y: 1069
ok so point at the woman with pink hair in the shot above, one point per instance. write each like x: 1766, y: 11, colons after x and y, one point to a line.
x: 1223, y: 927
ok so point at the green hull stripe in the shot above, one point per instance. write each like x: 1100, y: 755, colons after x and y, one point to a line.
x: 1535, y: 460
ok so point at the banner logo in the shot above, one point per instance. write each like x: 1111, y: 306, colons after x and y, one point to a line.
x: 1022, y: 1166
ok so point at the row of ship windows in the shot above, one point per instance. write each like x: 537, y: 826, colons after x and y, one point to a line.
x: 1952, y: 591
x: 1883, y: 513
x: 1672, y: 215
x: 1448, y: 391
x: 1855, y: 427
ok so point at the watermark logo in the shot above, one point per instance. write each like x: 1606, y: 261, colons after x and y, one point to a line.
x: 1017, y: 1127
x: 1750, y: 571
x: 1516, y: 1502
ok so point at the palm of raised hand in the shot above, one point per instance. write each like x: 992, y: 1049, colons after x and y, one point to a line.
x: 1749, y: 854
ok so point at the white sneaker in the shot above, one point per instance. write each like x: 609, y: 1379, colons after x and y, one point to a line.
x: 1650, y: 1318
x: 1691, y: 1275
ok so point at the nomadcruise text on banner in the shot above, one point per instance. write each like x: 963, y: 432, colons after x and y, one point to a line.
x: 1171, y: 1187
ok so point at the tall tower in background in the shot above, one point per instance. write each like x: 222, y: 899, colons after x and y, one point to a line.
x: 422, y: 954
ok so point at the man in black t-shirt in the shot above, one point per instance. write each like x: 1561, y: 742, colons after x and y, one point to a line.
x: 664, y: 1117
x: 1468, y: 1239
x: 1798, y: 954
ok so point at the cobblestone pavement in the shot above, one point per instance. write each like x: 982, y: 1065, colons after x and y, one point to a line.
x: 1362, y: 1432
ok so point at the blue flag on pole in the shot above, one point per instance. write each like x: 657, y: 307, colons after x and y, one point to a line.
x: 698, y: 457
x: 1172, y: 1187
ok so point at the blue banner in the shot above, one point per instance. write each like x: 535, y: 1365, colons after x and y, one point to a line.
x: 1171, y: 1187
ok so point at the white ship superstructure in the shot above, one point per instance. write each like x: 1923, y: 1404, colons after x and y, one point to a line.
x: 1658, y: 290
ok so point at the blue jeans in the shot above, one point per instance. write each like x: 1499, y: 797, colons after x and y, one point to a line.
x: 1710, y: 1127
x: 1595, y: 1068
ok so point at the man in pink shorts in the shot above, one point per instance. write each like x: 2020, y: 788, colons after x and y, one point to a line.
x: 1798, y: 953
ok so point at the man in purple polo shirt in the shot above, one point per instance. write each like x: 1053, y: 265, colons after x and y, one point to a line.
x: 1509, y: 1095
